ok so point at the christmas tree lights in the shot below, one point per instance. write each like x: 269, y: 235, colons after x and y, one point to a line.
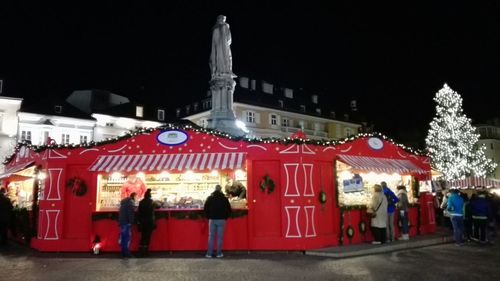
x: 452, y: 140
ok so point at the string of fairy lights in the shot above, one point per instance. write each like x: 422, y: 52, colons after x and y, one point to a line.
x: 213, y: 132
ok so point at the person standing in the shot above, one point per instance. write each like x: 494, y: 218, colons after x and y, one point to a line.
x: 392, y: 199
x: 403, y: 205
x: 217, y: 210
x: 455, y: 207
x: 5, y: 214
x: 378, y: 207
x: 467, y: 217
x: 481, y: 211
x: 126, y: 219
x: 146, y: 222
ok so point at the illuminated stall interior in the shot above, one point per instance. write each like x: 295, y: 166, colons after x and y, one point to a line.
x: 20, y: 186
x: 173, y: 188
x: 357, y: 175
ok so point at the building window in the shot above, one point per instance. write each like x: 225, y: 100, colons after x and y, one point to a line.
x: 318, y: 111
x: 317, y: 127
x: 348, y: 132
x: 109, y: 124
x: 188, y: 109
x: 139, y: 111
x: 244, y: 82
x: 281, y: 103
x: 203, y: 123
x: 207, y: 104
x: 314, y: 99
x: 83, y: 139
x: 285, y: 122
x: 267, y: 88
x: 195, y: 107
x: 25, y: 135
x: 332, y: 114
x: 302, y: 124
x: 57, y: 109
x: 288, y: 93
x: 161, y: 115
x: 250, y: 117
x: 253, y: 84
x: 302, y: 108
x: 274, y: 119
x: 178, y: 112
x: 64, y: 138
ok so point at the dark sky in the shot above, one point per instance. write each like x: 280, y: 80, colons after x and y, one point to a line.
x: 392, y: 58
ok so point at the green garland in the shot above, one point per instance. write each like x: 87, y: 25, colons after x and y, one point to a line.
x: 350, y: 232
x: 192, y: 127
x: 77, y: 186
x: 322, y: 197
x: 267, y: 183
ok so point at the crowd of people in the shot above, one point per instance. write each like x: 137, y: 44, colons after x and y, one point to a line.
x: 471, y: 218
x: 381, y: 210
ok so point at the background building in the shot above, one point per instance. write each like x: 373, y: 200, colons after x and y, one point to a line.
x: 8, y: 123
x: 490, y: 137
x: 268, y: 110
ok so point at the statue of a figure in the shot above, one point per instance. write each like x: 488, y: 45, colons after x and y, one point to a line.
x: 220, y: 57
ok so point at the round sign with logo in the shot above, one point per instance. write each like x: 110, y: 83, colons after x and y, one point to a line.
x: 375, y: 143
x: 172, y: 137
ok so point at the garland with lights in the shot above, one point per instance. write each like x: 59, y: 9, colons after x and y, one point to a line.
x: 194, y: 128
x: 77, y: 186
x: 267, y: 183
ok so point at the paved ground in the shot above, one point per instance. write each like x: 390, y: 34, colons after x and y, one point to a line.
x: 442, y: 262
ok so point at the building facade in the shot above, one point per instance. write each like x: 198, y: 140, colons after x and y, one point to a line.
x: 8, y: 124
x: 490, y: 137
x: 270, y: 111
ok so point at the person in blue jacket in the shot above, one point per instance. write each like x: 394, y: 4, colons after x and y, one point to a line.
x: 455, y: 207
x: 392, y: 199
x: 481, y: 212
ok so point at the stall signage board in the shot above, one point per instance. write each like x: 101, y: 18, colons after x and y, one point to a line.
x: 353, y: 185
x: 375, y: 143
x: 172, y: 137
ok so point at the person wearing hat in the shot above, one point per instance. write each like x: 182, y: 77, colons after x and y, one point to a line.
x: 217, y: 210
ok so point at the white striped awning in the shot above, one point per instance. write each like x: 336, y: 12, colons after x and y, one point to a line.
x: 475, y: 182
x: 381, y: 164
x: 168, y: 162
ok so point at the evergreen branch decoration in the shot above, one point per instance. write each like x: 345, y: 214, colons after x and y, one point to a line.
x: 77, y: 186
x: 267, y: 183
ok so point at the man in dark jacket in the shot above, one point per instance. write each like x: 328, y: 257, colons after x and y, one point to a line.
x: 481, y: 212
x: 146, y: 222
x: 5, y: 213
x: 126, y: 219
x: 217, y: 209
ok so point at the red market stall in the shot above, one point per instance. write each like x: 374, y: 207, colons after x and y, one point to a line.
x: 294, y: 200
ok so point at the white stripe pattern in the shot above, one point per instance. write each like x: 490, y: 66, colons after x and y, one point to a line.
x: 381, y: 164
x: 180, y: 162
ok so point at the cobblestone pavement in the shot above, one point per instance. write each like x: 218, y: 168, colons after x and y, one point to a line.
x: 443, y: 262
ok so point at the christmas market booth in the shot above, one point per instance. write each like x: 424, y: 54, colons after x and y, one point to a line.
x: 291, y: 194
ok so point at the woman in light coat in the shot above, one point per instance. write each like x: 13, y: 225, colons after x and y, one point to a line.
x: 378, y: 206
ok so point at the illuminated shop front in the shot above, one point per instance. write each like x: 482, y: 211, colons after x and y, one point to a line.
x: 292, y: 194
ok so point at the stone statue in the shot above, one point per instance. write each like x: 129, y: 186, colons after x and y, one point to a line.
x: 220, y: 57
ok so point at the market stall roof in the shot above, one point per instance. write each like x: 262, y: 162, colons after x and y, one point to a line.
x: 381, y: 164
x: 159, y: 162
x: 15, y: 170
x: 475, y: 181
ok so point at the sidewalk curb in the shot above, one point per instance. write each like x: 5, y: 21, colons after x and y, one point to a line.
x: 379, y: 249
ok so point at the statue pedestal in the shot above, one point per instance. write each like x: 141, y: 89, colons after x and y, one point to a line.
x: 222, y: 116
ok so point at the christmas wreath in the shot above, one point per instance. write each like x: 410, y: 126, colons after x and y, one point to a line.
x: 322, y: 197
x: 77, y: 186
x: 267, y: 183
x: 350, y: 232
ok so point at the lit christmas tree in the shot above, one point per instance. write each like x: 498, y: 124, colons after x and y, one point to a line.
x: 452, y: 140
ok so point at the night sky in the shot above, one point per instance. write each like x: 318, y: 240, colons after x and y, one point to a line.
x: 392, y: 58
